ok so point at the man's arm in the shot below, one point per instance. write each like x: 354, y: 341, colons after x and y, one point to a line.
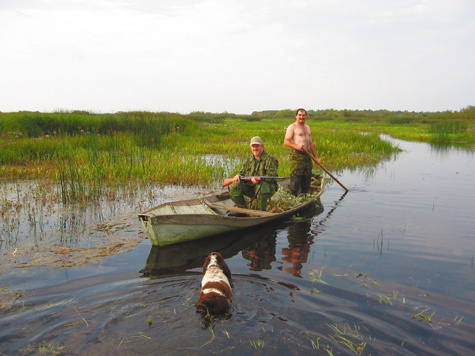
x: 312, y: 147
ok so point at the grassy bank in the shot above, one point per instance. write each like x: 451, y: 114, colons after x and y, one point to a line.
x: 82, y: 152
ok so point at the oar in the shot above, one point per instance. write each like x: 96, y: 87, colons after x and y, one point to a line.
x: 331, y: 175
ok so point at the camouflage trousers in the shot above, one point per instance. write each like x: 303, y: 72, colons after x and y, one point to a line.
x: 301, y: 167
x: 264, y: 192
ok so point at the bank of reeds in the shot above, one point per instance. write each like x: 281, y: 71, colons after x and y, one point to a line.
x: 83, y: 153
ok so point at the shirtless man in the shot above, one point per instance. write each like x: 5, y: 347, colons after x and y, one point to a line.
x: 299, y: 138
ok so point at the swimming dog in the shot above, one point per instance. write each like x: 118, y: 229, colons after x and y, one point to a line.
x: 216, y: 286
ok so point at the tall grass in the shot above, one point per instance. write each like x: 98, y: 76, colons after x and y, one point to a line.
x: 84, y: 153
x: 448, y: 132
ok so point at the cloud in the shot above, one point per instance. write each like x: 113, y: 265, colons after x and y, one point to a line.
x: 236, y: 56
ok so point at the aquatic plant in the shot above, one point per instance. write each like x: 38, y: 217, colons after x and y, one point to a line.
x: 346, y: 336
x: 317, y: 275
x: 257, y: 344
x: 423, y: 317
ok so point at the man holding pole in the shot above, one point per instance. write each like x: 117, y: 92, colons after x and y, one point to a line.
x: 259, y: 164
x: 299, y: 138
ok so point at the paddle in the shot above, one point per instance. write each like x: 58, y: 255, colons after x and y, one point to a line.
x: 331, y: 175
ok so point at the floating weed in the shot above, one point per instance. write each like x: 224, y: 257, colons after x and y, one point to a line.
x: 288, y: 340
x: 346, y: 336
x: 458, y: 320
x: 225, y: 332
x: 384, y: 298
x: 49, y: 349
x: 423, y: 317
x: 186, y: 303
x: 314, y: 340
x: 317, y: 275
x: 213, y: 336
x: 7, y: 298
x: 315, y: 290
x: 364, y: 282
x: 315, y: 346
x: 133, y: 338
x: 85, y: 321
x: 257, y: 344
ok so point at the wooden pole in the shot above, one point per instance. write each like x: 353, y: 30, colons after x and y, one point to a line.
x: 331, y: 175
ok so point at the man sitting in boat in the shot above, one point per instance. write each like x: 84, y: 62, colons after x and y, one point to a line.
x: 259, y: 163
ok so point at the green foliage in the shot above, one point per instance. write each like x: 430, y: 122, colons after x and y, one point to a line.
x: 148, y: 128
x: 449, y: 132
x: 83, y: 152
x: 395, y: 120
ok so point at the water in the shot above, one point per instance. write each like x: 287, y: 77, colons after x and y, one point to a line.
x: 387, y: 268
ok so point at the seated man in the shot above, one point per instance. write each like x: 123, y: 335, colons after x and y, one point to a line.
x: 259, y: 163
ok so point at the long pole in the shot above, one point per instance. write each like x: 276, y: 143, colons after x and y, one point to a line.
x: 331, y: 175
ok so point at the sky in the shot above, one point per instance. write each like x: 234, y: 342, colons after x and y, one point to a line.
x: 236, y: 56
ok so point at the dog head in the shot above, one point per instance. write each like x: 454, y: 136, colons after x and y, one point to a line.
x: 216, y: 288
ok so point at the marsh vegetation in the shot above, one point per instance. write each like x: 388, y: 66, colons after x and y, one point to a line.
x: 82, y: 156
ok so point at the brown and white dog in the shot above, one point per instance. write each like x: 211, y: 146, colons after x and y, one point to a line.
x: 216, y: 293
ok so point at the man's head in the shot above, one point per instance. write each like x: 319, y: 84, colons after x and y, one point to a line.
x: 257, y: 146
x: 301, y: 115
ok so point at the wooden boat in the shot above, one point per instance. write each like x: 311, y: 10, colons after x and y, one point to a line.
x: 187, y: 220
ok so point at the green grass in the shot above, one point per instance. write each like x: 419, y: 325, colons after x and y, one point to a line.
x: 83, y: 152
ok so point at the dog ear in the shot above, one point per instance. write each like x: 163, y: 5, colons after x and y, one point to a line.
x: 227, y: 273
x: 224, y: 267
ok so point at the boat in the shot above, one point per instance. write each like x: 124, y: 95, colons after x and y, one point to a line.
x: 187, y: 220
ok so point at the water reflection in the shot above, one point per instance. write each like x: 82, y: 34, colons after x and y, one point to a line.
x: 261, y: 254
x: 300, y: 238
x: 297, y: 252
x: 164, y: 260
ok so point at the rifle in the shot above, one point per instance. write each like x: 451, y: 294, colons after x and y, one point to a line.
x: 229, y: 181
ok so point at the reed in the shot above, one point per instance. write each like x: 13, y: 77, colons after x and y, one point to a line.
x: 449, y: 132
x: 86, y: 154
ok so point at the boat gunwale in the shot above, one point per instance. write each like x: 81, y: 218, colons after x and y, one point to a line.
x: 145, y: 216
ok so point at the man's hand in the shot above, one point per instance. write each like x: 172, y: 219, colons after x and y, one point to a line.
x: 255, y: 180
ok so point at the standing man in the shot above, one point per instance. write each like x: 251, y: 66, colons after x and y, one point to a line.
x: 299, y: 138
x: 260, y: 163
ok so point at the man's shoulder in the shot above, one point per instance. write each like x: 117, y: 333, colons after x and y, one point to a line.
x: 268, y: 155
x: 249, y: 157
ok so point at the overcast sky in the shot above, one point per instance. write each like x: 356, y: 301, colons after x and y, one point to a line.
x: 237, y: 56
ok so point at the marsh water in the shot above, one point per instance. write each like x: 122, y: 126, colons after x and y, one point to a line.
x: 387, y: 268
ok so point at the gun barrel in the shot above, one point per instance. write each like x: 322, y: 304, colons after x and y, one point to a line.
x: 261, y: 177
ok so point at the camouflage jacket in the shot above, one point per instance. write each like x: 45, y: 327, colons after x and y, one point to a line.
x: 267, y: 165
